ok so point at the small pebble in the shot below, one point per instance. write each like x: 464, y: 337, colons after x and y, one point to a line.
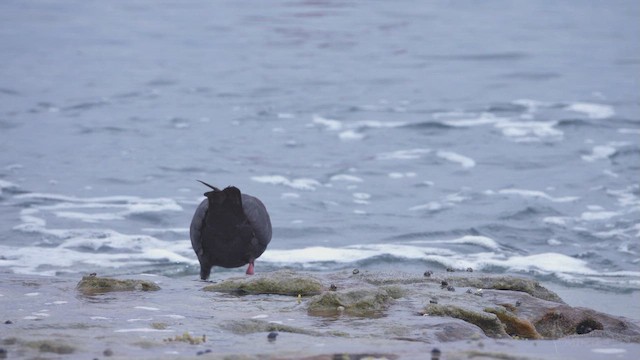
x: 469, y: 269
x: 428, y: 273
x: 202, y: 352
x: 433, y: 301
x: 93, y: 274
x: 8, y: 322
x: 518, y: 303
x: 444, y: 284
x: 333, y: 287
x: 435, y: 354
x: 356, y: 271
x: 272, y: 336
x: 450, y: 269
x: 107, y: 352
x: 469, y: 291
x: 451, y: 288
x: 340, y: 308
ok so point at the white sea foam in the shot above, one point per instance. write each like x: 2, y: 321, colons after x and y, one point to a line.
x: 412, y: 154
x: 556, y: 220
x: 7, y: 185
x: 482, y: 241
x: 399, y: 175
x: 469, y: 120
x: 166, y: 230
x: 599, y: 152
x: 74, y: 244
x: 464, y: 161
x: 134, y: 203
x: 361, y: 198
x: 547, y: 263
x: 451, y: 115
x: 403, y: 154
x: 537, y: 194
x: 346, y: 177
x: 626, y: 197
x: 530, y: 104
x: 351, y: 135
x: 609, y: 351
x: 138, y: 320
x: 174, y: 316
x: 352, y: 130
x: 521, y: 129
x: 554, y: 242
x: 598, y: 215
x: 285, y: 116
x: 289, y: 195
x: 329, y: 124
x: 121, y: 206
x: 92, y: 218
x: 430, y: 206
x: 378, y: 124
x: 299, y: 184
x: 529, y: 131
x: 148, y: 308
x: 448, y: 201
x: 629, y: 131
x: 316, y: 254
x: 83, y: 248
x: 455, y: 198
x: 592, y: 111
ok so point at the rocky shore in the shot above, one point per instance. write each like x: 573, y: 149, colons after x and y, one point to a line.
x: 296, y: 315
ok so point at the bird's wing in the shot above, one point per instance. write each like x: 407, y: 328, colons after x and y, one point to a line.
x: 197, y: 223
x: 258, y: 217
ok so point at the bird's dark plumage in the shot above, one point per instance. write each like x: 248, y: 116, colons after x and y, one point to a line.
x: 229, y: 229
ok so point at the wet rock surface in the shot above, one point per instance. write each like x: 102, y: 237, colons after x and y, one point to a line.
x: 363, y: 315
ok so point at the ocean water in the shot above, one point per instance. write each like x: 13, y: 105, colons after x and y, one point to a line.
x: 501, y: 136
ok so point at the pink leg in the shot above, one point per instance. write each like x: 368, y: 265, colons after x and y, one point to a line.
x: 250, y: 268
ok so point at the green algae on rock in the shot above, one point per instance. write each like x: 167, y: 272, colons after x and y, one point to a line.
x: 50, y: 346
x: 489, y: 323
x: 358, y: 302
x: 90, y: 285
x: 188, y: 338
x: 512, y: 283
x: 468, y: 279
x: 249, y: 326
x: 515, y: 326
x: 282, y: 282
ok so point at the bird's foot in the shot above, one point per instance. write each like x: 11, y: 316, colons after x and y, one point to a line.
x: 250, y: 268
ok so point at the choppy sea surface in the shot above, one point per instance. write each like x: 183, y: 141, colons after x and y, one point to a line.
x: 501, y: 136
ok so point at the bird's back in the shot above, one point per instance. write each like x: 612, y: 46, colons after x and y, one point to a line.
x: 230, y: 229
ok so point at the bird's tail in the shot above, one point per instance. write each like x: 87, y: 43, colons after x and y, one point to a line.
x: 211, y: 186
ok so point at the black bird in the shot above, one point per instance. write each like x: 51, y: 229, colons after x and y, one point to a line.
x: 229, y: 229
